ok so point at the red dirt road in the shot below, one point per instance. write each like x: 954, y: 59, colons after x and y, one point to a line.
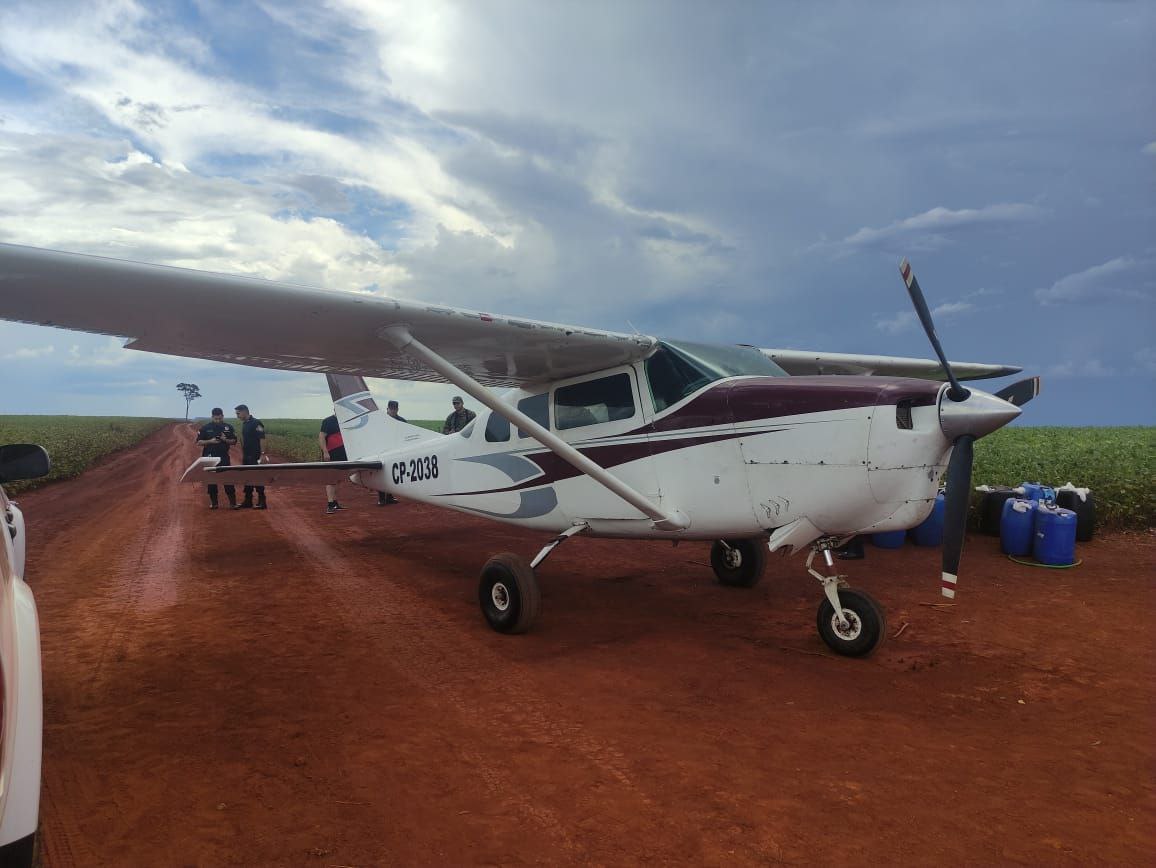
x: 291, y: 688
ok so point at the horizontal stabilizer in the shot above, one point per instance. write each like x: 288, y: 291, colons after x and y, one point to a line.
x: 206, y: 471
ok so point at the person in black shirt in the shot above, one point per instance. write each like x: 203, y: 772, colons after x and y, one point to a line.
x: 384, y: 499
x: 252, y: 452
x: 215, y: 438
x: 332, y: 449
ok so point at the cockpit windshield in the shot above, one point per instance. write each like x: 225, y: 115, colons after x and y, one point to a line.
x: 678, y: 368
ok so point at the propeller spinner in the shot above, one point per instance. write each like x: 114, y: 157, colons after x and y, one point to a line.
x: 964, y: 416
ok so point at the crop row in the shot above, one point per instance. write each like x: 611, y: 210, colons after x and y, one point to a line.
x: 74, y: 442
x: 1118, y: 464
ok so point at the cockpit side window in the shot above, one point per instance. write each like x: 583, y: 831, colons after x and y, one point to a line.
x: 537, y: 407
x: 607, y: 399
x: 672, y: 377
x: 676, y: 369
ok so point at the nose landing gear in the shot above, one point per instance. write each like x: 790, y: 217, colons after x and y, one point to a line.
x: 851, y: 622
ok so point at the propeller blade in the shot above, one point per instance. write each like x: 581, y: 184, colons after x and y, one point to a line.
x: 1020, y: 393
x: 956, y: 392
x: 957, y: 496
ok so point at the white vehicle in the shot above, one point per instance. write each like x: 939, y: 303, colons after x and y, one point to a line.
x: 21, y: 706
x: 599, y: 433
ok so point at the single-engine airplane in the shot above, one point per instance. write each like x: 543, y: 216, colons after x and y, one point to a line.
x: 596, y: 433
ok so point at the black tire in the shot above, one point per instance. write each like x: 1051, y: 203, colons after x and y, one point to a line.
x: 508, y: 594
x: 740, y: 566
x: 869, y: 624
x: 24, y: 853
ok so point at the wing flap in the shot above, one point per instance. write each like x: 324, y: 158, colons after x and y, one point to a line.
x: 204, y: 471
x: 806, y: 362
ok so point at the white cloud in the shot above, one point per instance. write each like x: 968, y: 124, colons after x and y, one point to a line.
x: 29, y: 352
x: 1149, y: 148
x: 906, y: 319
x: 1080, y: 368
x: 940, y: 220
x: 1110, y: 279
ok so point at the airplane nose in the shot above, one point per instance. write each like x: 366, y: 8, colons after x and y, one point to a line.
x: 977, y: 415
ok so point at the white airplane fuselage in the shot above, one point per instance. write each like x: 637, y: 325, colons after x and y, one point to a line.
x: 738, y: 457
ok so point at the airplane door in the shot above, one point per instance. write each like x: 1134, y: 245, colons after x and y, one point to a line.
x: 602, y: 416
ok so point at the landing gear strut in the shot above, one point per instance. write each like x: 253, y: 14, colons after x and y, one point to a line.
x: 849, y: 621
x: 508, y: 589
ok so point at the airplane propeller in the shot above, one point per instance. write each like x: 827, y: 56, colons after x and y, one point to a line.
x: 969, y: 416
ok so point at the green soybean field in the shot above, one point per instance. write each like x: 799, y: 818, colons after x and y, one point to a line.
x: 74, y: 442
x: 1118, y: 464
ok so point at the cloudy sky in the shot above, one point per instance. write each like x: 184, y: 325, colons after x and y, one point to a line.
x: 736, y: 172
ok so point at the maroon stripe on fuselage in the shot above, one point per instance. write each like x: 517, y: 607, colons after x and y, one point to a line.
x: 755, y: 398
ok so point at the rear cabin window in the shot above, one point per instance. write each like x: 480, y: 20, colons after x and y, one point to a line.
x: 497, y: 429
x: 607, y: 399
x: 537, y: 407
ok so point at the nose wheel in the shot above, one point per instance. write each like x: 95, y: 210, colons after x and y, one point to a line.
x: 851, y: 622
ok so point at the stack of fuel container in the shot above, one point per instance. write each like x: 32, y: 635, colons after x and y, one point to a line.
x: 1039, y: 521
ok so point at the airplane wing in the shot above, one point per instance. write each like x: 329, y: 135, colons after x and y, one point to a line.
x: 805, y: 362
x: 205, y: 471
x: 266, y: 324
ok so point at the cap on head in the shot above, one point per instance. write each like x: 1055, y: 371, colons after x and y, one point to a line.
x: 217, y: 411
x: 241, y: 407
x: 457, y: 399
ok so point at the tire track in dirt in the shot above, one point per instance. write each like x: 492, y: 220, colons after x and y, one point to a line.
x: 147, y: 566
x: 140, y: 576
x: 333, y: 683
x: 418, y: 639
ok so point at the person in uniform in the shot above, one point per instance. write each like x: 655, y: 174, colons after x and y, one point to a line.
x: 252, y: 451
x: 384, y: 499
x: 459, y: 418
x: 332, y: 449
x: 215, y: 438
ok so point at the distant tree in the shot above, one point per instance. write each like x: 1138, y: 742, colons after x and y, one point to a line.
x: 191, y: 391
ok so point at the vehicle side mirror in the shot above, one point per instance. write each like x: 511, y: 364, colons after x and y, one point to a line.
x: 23, y: 461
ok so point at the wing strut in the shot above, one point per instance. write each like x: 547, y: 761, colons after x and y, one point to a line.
x: 400, y: 337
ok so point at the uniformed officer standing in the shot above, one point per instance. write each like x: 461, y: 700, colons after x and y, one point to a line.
x: 252, y: 451
x: 459, y: 418
x: 215, y: 438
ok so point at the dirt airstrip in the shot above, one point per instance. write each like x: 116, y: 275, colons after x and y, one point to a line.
x: 291, y: 688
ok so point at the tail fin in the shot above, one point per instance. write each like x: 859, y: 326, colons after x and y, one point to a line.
x: 366, y: 430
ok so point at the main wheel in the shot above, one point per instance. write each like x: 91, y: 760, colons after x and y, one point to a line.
x: 508, y: 593
x: 866, y: 629
x: 742, y: 564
